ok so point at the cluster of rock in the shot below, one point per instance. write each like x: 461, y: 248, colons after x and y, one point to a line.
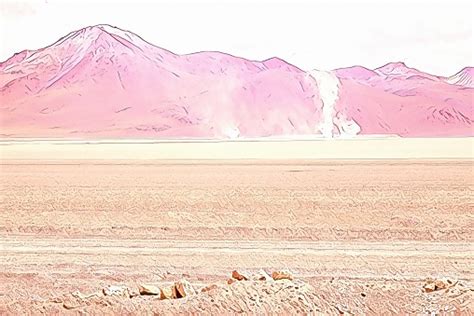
x: 432, y: 285
x: 261, y: 292
x: 260, y: 276
x: 182, y: 288
x: 179, y: 289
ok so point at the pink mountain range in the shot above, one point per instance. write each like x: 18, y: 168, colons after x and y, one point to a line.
x: 103, y: 82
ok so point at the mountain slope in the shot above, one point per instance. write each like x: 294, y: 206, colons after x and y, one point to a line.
x: 406, y: 102
x: 102, y: 81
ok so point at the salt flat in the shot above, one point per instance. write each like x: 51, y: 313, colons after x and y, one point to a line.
x: 263, y: 148
x: 365, y: 233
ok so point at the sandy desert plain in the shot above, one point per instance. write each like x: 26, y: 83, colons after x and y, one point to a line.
x: 362, y: 225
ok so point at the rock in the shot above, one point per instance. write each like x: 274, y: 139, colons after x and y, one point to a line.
x: 133, y: 292
x: 166, y: 293
x: 182, y: 289
x: 78, y: 294
x: 116, y: 290
x: 261, y: 275
x: 82, y: 296
x: 210, y: 287
x: 429, y: 287
x: 230, y: 281
x: 71, y: 304
x: 440, y: 285
x: 282, y: 275
x: 437, y: 284
x: 444, y: 283
x: 147, y: 289
x: 239, y: 276
x: 56, y: 300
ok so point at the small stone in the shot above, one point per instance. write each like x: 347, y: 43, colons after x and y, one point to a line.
x: 116, y: 290
x: 210, y: 287
x: 429, y: 287
x: 147, y: 289
x: 78, y: 294
x: 182, y: 289
x: 56, y: 300
x: 239, y: 276
x: 166, y: 293
x: 440, y: 285
x: 69, y: 304
x: 230, y: 281
x: 82, y: 296
x: 445, y: 283
x: 133, y: 292
x: 282, y: 275
x: 261, y: 276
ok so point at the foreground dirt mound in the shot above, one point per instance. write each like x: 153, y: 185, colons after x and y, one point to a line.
x: 252, y: 296
x: 258, y: 297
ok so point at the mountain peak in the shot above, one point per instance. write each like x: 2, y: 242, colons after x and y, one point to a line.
x: 467, y: 70
x: 109, y: 29
x: 99, y: 28
x: 91, y: 34
x: 393, y: 67
x: 355, y: 72
x: 463, y: 78
x: 397, y: 64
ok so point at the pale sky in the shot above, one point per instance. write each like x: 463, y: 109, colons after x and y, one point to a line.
x: 434, y: 36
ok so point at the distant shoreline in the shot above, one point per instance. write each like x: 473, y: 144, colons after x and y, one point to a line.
x: 195, y: 140
x: 355, y: 148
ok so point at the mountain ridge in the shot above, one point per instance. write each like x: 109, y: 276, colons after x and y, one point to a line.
x: 102, y: 81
